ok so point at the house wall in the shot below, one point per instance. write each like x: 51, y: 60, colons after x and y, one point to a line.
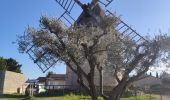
x: 71, y: 77
x: 108, y: 80
x: 147, y: 82
x: 56, y: 82
x: 13, y: 82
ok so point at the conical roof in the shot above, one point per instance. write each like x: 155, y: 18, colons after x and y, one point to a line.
x: 91, y: 17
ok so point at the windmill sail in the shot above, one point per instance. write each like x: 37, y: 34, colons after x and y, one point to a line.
x: 45, y: 62
x: 126, y: 31
x: 66, y: 17
x: 42, y: 57
x: 67, y: 5
x: 105, y: 2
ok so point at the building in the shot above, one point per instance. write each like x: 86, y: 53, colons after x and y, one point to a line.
x: 97, y: 14
x: 41, y: 80
x: 11, y: 82
x: 52, y: 81
x: 146, y: 81
x: 108, y: 80
x: 56, y: 79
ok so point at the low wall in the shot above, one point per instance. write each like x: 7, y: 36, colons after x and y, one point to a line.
x: 13, y: 83
x: 2, y: 74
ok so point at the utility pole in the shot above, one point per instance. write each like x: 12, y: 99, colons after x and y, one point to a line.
x: 101, y: 80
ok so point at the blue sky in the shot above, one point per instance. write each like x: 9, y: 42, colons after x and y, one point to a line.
x: 145, y: 16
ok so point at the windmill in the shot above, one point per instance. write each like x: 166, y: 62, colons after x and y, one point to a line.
x: 91, y: 15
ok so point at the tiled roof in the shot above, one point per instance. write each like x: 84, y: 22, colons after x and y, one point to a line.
x: 31, y: 81
x: 57, y: 76
x: 41, y: 79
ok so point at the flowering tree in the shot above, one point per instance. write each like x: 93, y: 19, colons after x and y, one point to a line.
x: 94, y: 48
x: 77, y: 46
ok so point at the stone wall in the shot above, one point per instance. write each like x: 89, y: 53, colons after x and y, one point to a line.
x: 13, y: 82
x: 1, y: 81
x: 108, y: 80
x: 147, y: 82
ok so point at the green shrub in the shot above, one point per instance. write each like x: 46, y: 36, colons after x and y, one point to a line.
x: 127, y: 93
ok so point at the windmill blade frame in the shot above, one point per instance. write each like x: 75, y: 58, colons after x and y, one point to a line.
x: 67, y: 5
x: 41, y: 57
x: 124, y: 29
x: 106, y: 2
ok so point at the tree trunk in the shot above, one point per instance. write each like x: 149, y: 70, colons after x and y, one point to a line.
x: 93, y: 91
x: 116, y: 93
x: 94, y: 96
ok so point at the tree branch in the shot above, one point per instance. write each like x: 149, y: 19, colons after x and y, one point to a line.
x: 70, y: 66
x: 94, y: 3
x: 69, y: 54
x: 146, y: 65
x: 116, y: 76
x: 84, y: 85
x: 96, y: 40
x: 138, y: 75
x: 133, y: 63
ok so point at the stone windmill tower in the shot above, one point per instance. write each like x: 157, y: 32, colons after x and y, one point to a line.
x: 92, y: 14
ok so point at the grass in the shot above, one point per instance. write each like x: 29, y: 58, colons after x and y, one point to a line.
x: 144, y: 97
x: 68, y: 97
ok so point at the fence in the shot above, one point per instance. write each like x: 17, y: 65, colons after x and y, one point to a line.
x: 151, y: 94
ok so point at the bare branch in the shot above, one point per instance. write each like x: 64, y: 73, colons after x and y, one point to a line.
x: 133, y: 63
x: 94, y: 3
x: 116, y: 76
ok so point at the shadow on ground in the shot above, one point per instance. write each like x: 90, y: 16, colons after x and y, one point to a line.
x: 16, y: 96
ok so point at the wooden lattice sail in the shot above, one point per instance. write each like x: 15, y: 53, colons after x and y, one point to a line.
x: 91, y: 15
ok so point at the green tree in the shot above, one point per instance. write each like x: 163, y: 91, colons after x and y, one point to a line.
x: 3, y: 65
x: 157, y: 75
x: 50, y: 73
x: 10, y: 65
x: 150, y: 74
x: 13, y: 65
x: 165, y: 78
